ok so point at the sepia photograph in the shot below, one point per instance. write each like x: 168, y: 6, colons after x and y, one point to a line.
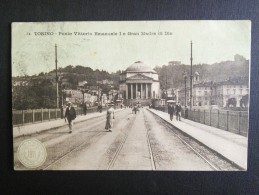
x: 168, y: 95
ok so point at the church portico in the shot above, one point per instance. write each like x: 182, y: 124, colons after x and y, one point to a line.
x: 139, y: 83
x: 138, y: 91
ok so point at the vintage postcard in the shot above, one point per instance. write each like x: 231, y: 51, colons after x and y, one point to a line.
x: 131, y: 95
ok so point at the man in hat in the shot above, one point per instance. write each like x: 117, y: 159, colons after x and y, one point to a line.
x: 70, y: 115
x: 171, y: 111
x: 109, y: 117
x: 178, y: 109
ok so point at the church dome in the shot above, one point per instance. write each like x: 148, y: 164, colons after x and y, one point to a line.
x: 139, y: 67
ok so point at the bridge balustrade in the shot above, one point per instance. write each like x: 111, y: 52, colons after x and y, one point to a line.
x: 233, y: 121
x: 21, y: 117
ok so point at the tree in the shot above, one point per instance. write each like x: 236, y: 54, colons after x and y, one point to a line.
x: 39, y: 93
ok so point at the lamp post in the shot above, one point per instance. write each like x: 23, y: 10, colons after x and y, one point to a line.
x: 62, y: 100
x: 185, y: 80
x: 56, y: 65
x: 166, y: 84
x: 191, y: 77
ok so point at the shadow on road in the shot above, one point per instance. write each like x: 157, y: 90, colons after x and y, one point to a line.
x: 59, y: 132
x: 91, y: 131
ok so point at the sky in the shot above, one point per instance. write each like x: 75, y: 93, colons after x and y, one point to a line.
x: 33, y: 44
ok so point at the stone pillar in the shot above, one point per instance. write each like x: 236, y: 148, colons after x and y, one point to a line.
x: 136, y: 90
x: 141, y: 90
x: 131, y: 91
x: 127, y: 93
x: 146, y: 91
x: 150, y: 91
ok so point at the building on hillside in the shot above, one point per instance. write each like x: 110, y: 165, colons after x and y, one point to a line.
x: 173, y: 63
x: 139, y: 83
x: 105, y: 82
x: 82, y: 83
x: 20, y: 82
x: 74, y: 96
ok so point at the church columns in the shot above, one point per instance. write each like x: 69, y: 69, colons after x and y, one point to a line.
x: 146, y: 91
x: 131, y: 91
x: 141, y: 90
x: 127, y: 92
x: 136, y: 90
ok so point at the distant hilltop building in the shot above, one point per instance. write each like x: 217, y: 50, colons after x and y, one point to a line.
x: 174, y: 63
x: 139, y: 83
x: 239, y: 58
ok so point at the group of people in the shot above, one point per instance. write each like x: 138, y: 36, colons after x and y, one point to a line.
x: 70, y: 115
x: 135, y: 109
x: 175, y: 109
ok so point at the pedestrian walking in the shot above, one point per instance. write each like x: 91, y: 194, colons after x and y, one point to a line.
x: 186, y: 112
x: 171, y: 111
x: 70, y: 115
x: 109, y: 118
x: 100, y: 108
x: 178, y: 109
x: 134, y: 110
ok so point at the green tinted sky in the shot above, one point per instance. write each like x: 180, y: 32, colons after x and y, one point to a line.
x: 214, y: 41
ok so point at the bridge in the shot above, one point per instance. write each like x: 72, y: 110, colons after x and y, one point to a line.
x: 147, y: 140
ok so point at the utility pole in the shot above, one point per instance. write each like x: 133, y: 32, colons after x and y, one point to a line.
x: 191, y: 76
x: 166, y: 83
x: 56, y: 61
x: 97, y: 87
x: 185, y: 79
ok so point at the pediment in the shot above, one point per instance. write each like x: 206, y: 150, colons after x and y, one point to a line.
x: 139, y: 77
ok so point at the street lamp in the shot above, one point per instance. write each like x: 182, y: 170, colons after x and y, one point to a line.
x: 57, y: 79
x: 83, y: 91
x: 191, y: 77
x: 62, y: 100
x: 185, y: 80
x: 166, y: 97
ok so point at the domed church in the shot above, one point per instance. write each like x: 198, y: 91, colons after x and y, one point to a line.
x: 139, y: 83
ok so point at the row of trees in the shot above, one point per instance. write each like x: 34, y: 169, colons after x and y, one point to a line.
x: 78, y: 73
x: 40, y: 90
x: 39, y: 93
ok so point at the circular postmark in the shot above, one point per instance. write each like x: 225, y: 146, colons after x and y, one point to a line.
x: 32, y: 153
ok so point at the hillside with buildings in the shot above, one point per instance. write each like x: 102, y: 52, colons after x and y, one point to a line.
x: 171, y: 76
x: 74, y: 84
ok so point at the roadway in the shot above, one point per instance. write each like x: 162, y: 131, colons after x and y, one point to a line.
x: 139, y: 141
